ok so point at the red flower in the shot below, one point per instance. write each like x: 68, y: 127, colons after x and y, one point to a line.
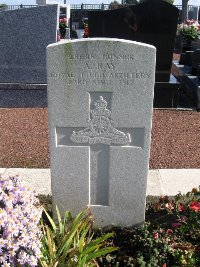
x: 177, y: 224
x: 86, y: 32
x: 182, y: 219
x: 155, y: 235
x: 195, y: 206
x: 169, y: 231
x: 181, y: 207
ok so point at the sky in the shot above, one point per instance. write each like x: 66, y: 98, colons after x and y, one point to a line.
x: 33, y: 2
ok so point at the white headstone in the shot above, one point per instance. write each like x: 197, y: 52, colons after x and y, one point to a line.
x: 100, y: 99
x: 41, y: 2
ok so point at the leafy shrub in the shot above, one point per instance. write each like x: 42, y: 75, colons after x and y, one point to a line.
x: 19, y: 219
x: 3, y: 6
x: 169, y: 237
x: 70, y: 242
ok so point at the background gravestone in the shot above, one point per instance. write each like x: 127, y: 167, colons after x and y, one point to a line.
x: 153, y: 22
x: 25, y: 34
x: 193, y: 13
x: 195, y: 60
x: 100, y: 99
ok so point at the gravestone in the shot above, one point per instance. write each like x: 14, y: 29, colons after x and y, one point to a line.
x: 195, y: 45
x: 25, y: 34
x: 195, y: 58
x: 152, y: 22
x: 100, y: 100
x: 193, y: 13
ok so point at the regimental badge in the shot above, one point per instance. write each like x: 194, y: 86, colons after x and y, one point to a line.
x: 100, y: 128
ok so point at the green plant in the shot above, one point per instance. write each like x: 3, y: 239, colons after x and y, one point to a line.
x: 189, y: 30
x: 140, y: 246
x: 168, y: 1
x: 3, y: 6
x: 63, y: 24
x: 62, y: 27
x: 170, y: 237
x: 70, y: 243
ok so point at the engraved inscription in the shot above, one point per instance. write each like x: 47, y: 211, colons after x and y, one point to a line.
x: 100, y: 66
x: 126, y: 57
x: 99, y: 73
x: 77, y: 82
x: 93, y: 75
x: 82, y: 56
x: 62, y: 74
x: 101, y: 129
x: 118, y: 57
x: 129, y: 75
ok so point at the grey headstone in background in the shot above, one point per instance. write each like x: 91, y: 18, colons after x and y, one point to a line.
x: 100, y: 99
x: 195, y: 58
x: 25, y: 34
x: 193, y: 13
x: 41, y: 2
x: 195, y: 45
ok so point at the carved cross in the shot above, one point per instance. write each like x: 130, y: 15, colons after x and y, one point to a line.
x: 100, y: 135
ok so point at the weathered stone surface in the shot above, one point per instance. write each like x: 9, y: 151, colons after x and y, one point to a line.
x: 100, y: 99
x: 25, y: 34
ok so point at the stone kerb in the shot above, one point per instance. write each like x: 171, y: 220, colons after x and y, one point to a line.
x: 100, y: 99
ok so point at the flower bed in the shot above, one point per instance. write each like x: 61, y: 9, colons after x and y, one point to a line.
x: 190, y: 30
x: 20, y: 214
x: 62, y: 27
x: 169, y: 237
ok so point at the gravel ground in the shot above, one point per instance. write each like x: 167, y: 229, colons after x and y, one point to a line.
x: 175, y: 139
x: 24, y: 138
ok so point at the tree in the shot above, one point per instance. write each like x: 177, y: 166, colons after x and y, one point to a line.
x: 132, y: 2
x: 168, y: 1
x: 3, y: 6
x: 114, y: 5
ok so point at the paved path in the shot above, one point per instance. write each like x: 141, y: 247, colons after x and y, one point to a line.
x: 160, y: 182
